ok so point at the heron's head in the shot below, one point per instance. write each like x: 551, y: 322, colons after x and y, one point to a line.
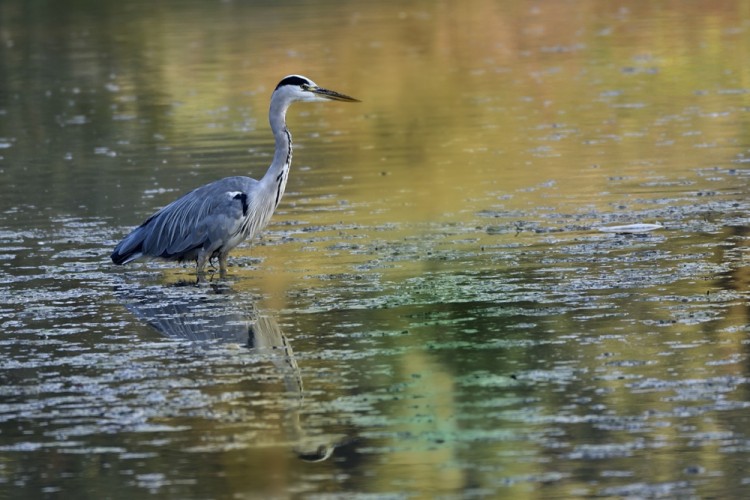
x: 300, y: 88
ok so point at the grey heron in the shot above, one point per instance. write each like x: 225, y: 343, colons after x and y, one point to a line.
x: 210, y: 221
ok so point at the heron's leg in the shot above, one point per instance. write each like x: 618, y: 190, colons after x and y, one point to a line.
x: 223, y: 264
x: 201, y: 266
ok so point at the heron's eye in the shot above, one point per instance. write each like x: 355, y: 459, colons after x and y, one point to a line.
x: 305, y: 86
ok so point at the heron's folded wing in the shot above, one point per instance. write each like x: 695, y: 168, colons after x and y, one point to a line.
x: 191, y: 221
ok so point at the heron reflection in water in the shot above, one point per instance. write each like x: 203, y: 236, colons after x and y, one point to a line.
x: 211, y: 315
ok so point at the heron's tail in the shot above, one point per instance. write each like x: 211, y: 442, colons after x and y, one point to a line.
x: 130, y: 248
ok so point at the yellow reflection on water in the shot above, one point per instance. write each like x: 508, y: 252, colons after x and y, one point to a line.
x: 531, y: 109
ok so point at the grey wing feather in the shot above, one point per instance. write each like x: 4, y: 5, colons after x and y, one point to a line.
x: 204, y: 217
x: 209, y: 213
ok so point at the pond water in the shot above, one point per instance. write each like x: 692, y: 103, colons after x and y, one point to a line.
x: 434, y: 310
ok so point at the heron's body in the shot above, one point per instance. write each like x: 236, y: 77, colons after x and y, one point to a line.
x: 211, y: 220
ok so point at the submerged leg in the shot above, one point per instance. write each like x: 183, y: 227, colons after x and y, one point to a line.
x: 223, y: 264
x: 201, y: 266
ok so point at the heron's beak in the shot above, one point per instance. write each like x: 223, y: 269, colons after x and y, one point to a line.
x: 332, y: 95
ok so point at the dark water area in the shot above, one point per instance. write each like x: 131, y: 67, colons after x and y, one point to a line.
x: 437, y: 308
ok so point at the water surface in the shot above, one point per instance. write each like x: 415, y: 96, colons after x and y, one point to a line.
x: 433, y: 310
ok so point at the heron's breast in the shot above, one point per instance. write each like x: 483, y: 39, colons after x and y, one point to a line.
x: 253, y: 222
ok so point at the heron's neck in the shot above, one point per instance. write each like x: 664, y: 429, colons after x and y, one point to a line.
x: 278, y: 173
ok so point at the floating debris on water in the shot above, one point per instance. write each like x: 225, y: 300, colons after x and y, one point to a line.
x: 631, y: 228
